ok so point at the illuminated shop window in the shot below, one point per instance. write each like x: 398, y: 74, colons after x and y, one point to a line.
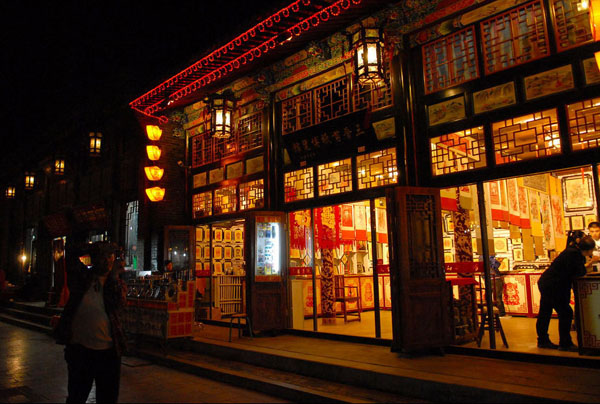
x: 571, y: 23
x: 377, y: 169
x: 335, y: 177
x: 584, y: 124
x: 459, y: 151
x: 202, y: 204
x: 299, y: 185
x: 225, y: 200
x: 252, y: 195
x: 515, y: 37
x: 450, y: 61
x: 526, y: 137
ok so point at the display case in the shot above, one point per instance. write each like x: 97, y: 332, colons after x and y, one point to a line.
x: 267, y: 267
x: 588, y: 314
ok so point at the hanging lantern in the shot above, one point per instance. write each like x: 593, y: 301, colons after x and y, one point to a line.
x: 368, y: 56
x: 10, y: 192
x: 153, y: 152
x: 221, y: 110
x: 155, y: 194
x: 95, y: 143
x: 154, y: 173
x: 29, y: 181
x: 153, y: 132
x: 59, y: 166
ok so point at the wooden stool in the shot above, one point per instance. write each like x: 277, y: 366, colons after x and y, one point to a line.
x: 485, y: 325
x: 239, y: 317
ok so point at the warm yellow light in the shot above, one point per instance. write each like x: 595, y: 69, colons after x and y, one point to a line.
x: 594, y: 7
x: 153, y: 152
x: 10, y: 192
x: 155, y: 194
x: 153, y: 132
x: 95, y: 143
x: 29, y: 181
x: 23, y: 258
x: 154, y: 173
x: 59, y: 166
x: 597, y: 55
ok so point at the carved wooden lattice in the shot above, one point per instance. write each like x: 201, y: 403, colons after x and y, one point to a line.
x: 459, y: 151
x: 202, y: 151
x: 252, y: 194
x: 526, y: 137
x: 571, y: 23
x: 422, y: 229
x: 584, y: 124
x: 249, y: 129
x: 299, y: 185
x: 202, y: 204
x: 335, y: 177
x: 225, y: 200
x: 450, y: 61
x: 377, y: 169
x: 514, y: 37
x: 330, y: 101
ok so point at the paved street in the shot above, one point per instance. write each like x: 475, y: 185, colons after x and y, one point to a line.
x: 33, y: 370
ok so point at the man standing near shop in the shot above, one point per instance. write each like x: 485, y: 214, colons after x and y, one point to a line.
x: 594, y: 229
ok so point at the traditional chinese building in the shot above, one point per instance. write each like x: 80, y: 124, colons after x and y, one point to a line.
x: 322, y: 167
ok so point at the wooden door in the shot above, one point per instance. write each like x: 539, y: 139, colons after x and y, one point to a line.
x: 420, y: 294
x: 267, y: 292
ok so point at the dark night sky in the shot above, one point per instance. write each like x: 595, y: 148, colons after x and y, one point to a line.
x: 65, y: 59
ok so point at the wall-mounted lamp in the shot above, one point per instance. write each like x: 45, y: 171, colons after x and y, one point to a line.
x: 153, y: 152
x: 155, y: 194
x: 95, y: 143
x: 154, y: 173
x: 153, y: 132
x: 29, y: 181
x: 221, y: 108
x: 10, y: 192
x: 368, y: 55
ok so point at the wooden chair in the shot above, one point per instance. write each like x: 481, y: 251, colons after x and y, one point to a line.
x: 484, y: 325
x: 353, y: 296
x: 241, y: 315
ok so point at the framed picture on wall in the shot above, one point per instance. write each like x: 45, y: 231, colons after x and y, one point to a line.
x: 227, y: 235
x: 448, y: 257
x: 227, y: 255
x: 218, y: 267
x: 518, y: 254
x: 448, y: 243
x: 549, y: 82
x: 567, y: 224
x: 504, y: 265
x: 493, y: 98
x: 589, y: 219
x: 577, y: 222
x: 217, y: 253
x: 578, y: 193
x: 448, y: 223
x: 500, y: 245
x: 446, y: 111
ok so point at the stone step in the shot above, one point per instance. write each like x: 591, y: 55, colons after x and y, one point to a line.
x: 287, y: 385
x: 32, y: 308
x: 25, y: 324
x: 29, y: 316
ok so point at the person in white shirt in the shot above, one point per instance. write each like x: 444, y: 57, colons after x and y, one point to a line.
x: 594, y: 262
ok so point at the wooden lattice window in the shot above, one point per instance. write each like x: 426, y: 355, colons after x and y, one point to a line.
x: 225, y: 200
x: 373, y: 97
x: 571, y: 23
x: 296, y: 113
x: 450, y: 61
x: 514, y: 37
x: 252, y: 195
x: 584, y: 124
x: 335, y: 177
x: 332, y: 100
x: 299, y: 185
x: 202, y: 204
x: 459, y: 151
x: 202, y: 149
x: 377, y: 169
x: 526, y: 137
x: 249, y: 130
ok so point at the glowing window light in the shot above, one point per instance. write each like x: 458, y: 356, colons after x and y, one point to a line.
x: 95, y: 143
x: 155, y: 194
x: 10, y: 192
x: 59, y: 166
x: 29, y: 181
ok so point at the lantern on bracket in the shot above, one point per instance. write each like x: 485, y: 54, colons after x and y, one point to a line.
x: 29, y: 180
x: 155, y: 194
x: 95, y: 143
x: 10, y: 192
x: 154, y: 173
x: 367, y: 43
x: 221, y: 109
x: 153, y: 152
x: 154, y: 132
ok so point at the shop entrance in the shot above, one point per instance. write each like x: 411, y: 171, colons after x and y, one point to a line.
x: 527, y: 223
x: 337, y: 254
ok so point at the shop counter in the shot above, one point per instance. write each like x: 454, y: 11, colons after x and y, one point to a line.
x: 521, y: 295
